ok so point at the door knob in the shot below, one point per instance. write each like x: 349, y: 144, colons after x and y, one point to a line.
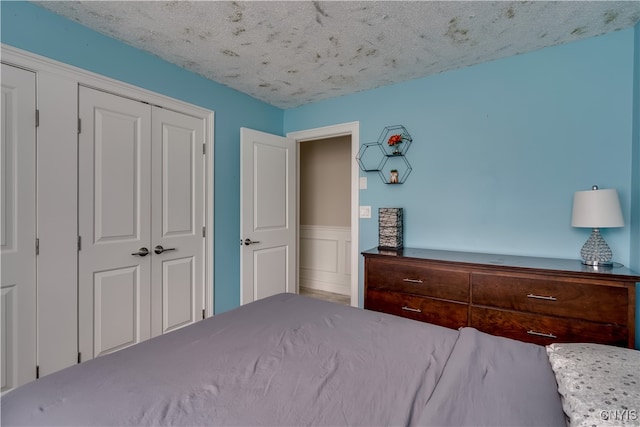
x: 159, y: 249
x: 141, y: 252
x: 248, y: 242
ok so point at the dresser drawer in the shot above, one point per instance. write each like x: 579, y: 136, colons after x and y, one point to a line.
x: 552, y: 297
x: 545, y: 330
x: 405, y: 276
x: 444, y: 313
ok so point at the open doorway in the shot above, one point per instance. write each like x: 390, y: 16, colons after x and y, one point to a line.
x: 324, y: 200
x: 325, y: 137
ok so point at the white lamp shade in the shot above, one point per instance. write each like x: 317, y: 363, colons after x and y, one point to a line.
x: 597, y: 209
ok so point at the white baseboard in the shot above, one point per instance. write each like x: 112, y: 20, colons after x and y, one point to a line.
x: 326, y: 286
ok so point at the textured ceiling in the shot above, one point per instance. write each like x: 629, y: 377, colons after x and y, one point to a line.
x: 290, y: 53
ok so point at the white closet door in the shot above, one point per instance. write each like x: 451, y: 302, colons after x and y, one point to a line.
x: 177, y: 218
x: 114, y: 205
x: 18, y: 227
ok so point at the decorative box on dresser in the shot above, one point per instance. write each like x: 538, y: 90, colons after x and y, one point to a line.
x: 538, y: 300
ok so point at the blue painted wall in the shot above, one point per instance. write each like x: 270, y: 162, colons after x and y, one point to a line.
x: 499, y: 149
x: 635, y: 181
x: 635, y: 178
x: 37, y: 30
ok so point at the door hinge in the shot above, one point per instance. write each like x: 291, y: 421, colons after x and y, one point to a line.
x: 37, y: 118
x: 79, y: 243
x: 37, y: 246
x: 79, y: 357
x: 79, y: 125
x: 203, y: 314
x: 204, y: 148
x: 37, y: 371
x: 204, y: 231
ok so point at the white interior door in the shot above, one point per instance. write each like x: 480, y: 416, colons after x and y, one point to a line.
x: 267, y: 210
x: 114, y: 202
x: 177, y: 285
x: 18, y: 227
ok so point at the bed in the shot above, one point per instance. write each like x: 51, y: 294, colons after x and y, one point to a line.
x: 292, y: 360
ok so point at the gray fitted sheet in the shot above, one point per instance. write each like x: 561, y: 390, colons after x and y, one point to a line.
x: 292, y: 360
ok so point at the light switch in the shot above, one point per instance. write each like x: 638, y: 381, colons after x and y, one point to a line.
x: 363, y: 182
x: 365, y: 211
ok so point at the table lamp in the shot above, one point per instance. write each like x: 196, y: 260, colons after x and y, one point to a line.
x: 596, y: 209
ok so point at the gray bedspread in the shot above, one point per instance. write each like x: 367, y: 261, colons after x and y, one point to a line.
x: 291, y: 360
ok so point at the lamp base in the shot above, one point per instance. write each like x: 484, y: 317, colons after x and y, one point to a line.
x: 598, y: 263
x: 595, y: 251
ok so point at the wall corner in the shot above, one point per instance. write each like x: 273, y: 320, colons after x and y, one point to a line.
x: 634, y: 220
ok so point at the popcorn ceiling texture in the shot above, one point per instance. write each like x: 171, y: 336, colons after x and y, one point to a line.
x: 291, y: 53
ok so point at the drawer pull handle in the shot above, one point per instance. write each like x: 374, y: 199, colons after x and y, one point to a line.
x: 541, y: 334
x: 542, y: 297
x: 415, y: 310
x: 412, y: 280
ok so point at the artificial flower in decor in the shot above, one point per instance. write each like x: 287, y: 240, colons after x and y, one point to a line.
x: 395, y: 139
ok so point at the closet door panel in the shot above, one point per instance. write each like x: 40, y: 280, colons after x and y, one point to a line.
x: 178, y: 286
x: 18, y: 227
x: 116, y: 311
x: 177, y: 219
x: 114, y: 210
x: 57, y: 222
x: 117, y: 176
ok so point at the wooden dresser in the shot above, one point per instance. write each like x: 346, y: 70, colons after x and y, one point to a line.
x: 538, y: 300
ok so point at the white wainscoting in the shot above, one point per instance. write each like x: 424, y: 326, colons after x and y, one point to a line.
x: 325, y: 258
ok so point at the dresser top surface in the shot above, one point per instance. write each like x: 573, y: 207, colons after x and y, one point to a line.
x: 514, y: 261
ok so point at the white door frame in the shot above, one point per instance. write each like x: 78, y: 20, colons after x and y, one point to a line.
x: 352, y: 129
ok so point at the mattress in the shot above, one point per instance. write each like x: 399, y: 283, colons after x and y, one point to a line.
x: 291, y: 360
